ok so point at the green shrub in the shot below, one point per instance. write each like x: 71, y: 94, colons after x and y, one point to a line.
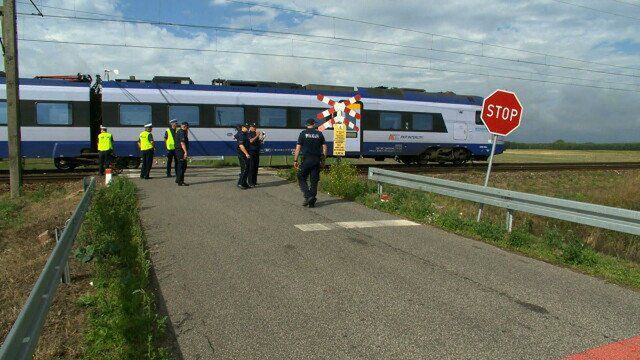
x: 519, y: 238
x: 343, y: 180
x: 576, y: 252
x: 123, y: 323
x: 553, y: 238
x: 490, y: 231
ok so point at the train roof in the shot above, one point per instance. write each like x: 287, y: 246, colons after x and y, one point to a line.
x: 312, y: 89
x: 49, y: 82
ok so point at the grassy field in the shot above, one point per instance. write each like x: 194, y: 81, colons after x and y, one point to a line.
x: 24, y: 249
x: 607, y: 187
x: 551, y: 156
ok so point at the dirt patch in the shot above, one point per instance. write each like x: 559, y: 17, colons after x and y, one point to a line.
x: 24, y: 249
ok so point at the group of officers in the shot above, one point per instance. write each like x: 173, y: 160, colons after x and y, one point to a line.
x: 311, y: 150
x: 176, y: 142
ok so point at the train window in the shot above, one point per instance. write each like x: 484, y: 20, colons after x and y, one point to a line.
x: 273, y: 117
x: 3, y: 113
x: 131, y: 114
x: 422, y: 122
x: 53, y: 113
x: 308, y: 113
x: 188, y: 113
x: 390, y: 121
x: 229, y: 115
x: 479, y: 119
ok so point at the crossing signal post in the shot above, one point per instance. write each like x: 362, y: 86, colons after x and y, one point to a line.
x: 10, y: 48
x: 339, y: 122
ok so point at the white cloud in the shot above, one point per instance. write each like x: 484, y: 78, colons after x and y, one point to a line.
x: 551, y: 111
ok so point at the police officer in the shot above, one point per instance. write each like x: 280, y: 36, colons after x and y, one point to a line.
x: 146, y: 145
x: 312, y: 147
x: 254, y: 151
x: 243, y: 156
x: 169, y: 140
x: 105, y: 148
x: 182, y: 152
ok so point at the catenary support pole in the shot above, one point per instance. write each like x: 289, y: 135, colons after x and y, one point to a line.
x: 13, y: 98
x: 494, y: 140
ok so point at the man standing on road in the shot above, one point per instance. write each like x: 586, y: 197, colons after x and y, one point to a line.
x: 182, y: 152
x: 105, y: 148
x: 313, y: 148
x: 254, y: 152
x: 145, y: 143
x: 169, y: 140
x: 243, y: 157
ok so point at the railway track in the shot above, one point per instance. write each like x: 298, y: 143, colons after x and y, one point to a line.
x: 58, y: 175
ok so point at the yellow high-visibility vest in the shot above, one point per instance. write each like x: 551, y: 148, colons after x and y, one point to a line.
x: 105, y: 141
x: 170, y: 142
x: 145, y: 143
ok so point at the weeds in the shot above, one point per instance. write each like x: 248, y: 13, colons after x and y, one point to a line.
x: 122, y: 316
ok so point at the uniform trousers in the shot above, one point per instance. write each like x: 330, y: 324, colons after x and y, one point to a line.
x: 171, y: 155
x: 310, y: 167
x: 147, y: 162
x: 252, y: 179
x: 104, y: 157
x: 181, y: 166
x: 244, y: 170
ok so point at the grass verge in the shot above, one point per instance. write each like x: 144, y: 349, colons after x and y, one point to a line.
x: 123, y: 322
x: 554, y: 245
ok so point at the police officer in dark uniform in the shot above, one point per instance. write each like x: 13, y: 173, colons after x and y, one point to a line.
x: 254, y: 152
x: 244, y: 157
x: 311, y: 145
x: 181, y: 152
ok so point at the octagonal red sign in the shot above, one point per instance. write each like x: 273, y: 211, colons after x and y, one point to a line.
x: 501, y: 112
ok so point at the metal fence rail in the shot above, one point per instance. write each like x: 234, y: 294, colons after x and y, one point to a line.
x: 21, y: 341
x: 623, y: 220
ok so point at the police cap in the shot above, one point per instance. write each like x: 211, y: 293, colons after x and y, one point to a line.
x: 310, y: 121
x: 185, y: 123
x: 173, y: 121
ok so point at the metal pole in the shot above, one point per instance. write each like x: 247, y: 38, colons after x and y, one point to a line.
x: 379, y: 189
x: 509, y: 220
x: 10, y: 41
x: 494, y: 140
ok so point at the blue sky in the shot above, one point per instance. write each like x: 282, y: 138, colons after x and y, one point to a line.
x: 435, y: 63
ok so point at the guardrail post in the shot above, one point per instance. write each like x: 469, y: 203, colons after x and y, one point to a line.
x: 379, y: 189
x: 65, y: 277
x: 509, y: 220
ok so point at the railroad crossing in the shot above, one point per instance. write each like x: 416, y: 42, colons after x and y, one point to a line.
x: 345, y: 281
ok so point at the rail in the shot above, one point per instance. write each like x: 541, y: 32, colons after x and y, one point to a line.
x: 623, y: 220
x: 22, y: 340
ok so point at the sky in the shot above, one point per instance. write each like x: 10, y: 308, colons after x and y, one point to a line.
x: 536, y: 48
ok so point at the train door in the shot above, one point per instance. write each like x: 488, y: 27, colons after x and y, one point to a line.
x: 460, y: 131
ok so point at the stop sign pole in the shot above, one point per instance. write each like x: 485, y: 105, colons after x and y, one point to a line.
x: 501, y: 114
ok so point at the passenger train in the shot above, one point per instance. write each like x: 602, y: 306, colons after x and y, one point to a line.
x: 60, y: 118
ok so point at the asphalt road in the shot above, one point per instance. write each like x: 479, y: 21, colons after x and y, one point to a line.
x: 240, y: 281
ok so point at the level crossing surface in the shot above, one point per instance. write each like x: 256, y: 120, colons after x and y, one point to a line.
x: 251, y: 274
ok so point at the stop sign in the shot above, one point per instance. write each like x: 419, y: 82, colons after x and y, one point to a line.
x: 501, y: 112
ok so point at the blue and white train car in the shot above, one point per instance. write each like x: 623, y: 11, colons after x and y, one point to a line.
x: 54, y: 116
x: 409, y: 125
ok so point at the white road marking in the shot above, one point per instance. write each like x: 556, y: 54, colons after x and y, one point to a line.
x: 354, y: 225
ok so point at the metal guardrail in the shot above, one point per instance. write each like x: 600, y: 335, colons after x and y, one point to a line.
x: 606, y: 217
x: 22, y: 340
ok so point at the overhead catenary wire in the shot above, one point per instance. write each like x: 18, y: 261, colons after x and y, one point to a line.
x: 422, y: 48
x: 597, y: 10
x: 415, y: 67
x: 626, y: 3
x: 477, y: 42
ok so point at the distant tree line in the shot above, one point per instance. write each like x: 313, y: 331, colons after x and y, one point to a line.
x: 565, y: 145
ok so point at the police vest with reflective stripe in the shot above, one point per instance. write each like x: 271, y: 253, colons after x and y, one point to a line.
x: 170, y: 142
x: 105, y: 141
x: 145, y: 143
